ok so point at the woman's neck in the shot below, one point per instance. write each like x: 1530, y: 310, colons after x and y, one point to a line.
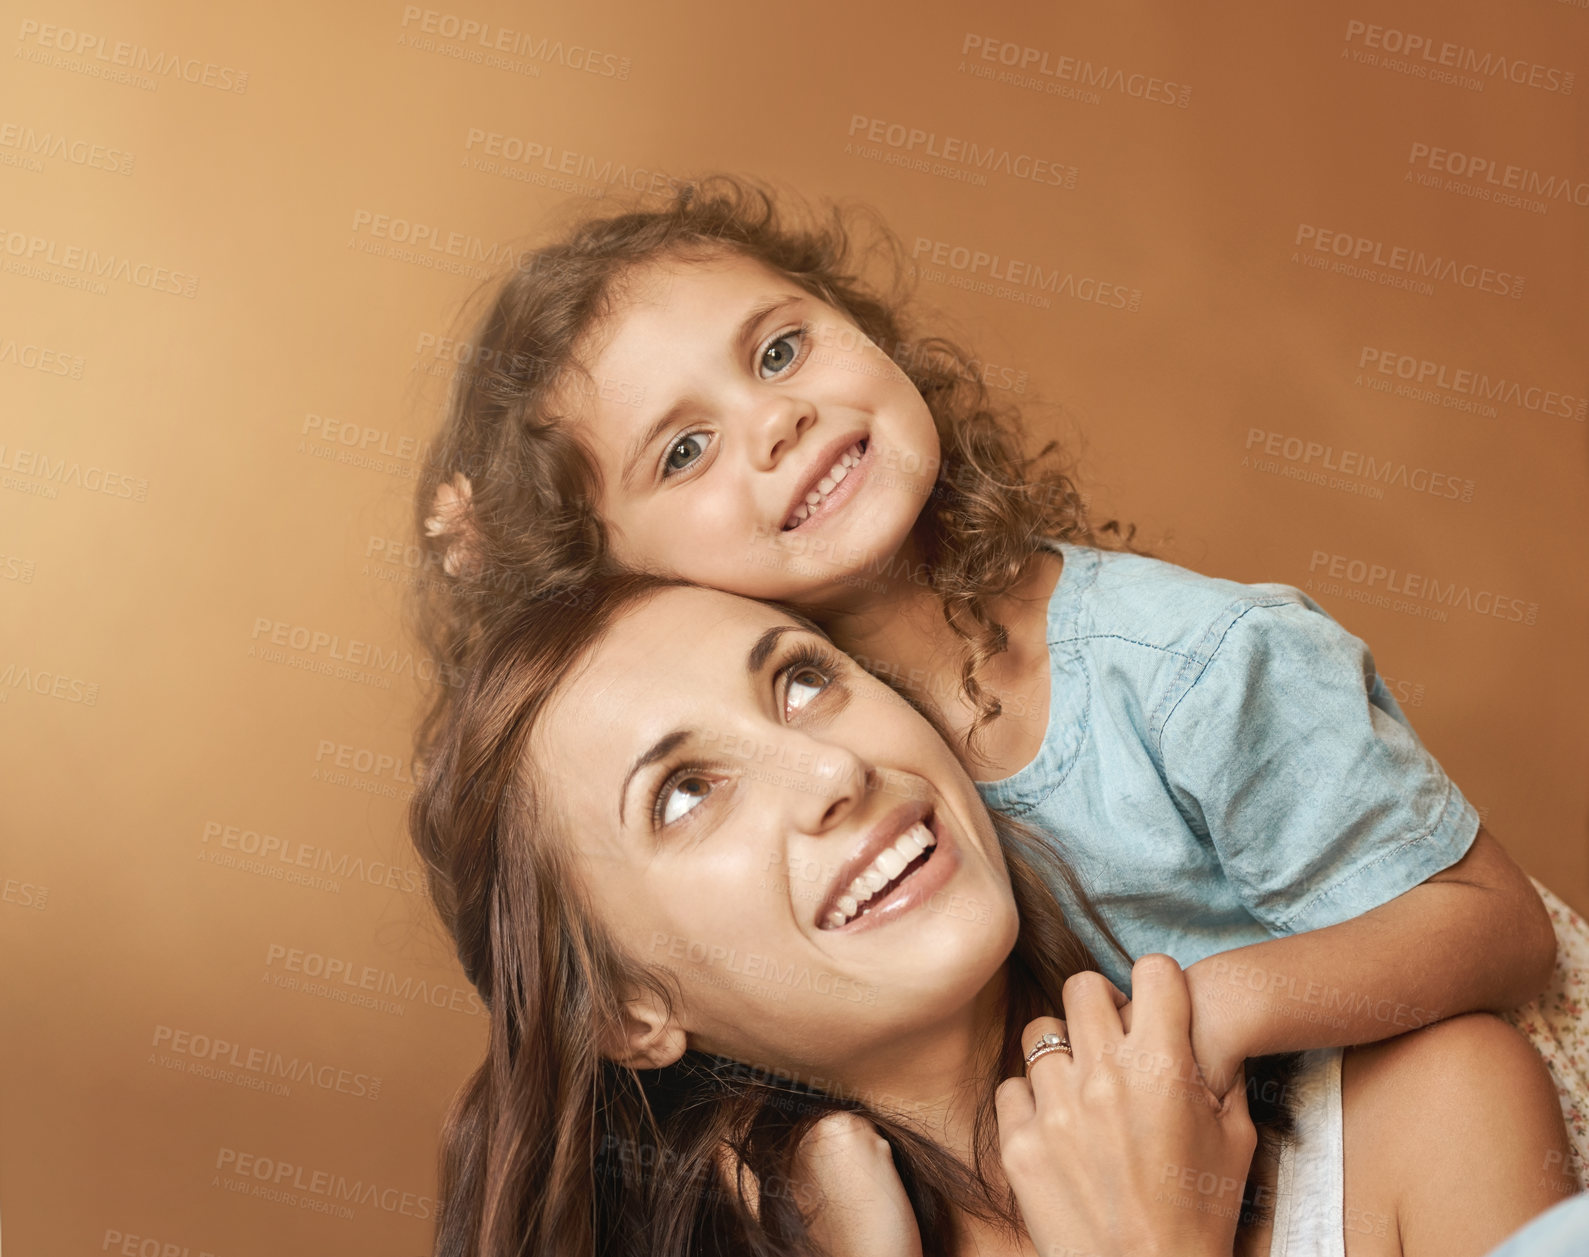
x: 935, y: 1082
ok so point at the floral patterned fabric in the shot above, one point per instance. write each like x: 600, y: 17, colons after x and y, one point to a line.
x: 1557, y: 1023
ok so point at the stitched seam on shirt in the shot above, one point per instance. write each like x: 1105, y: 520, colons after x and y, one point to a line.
x: 1186, y: 661
x: 1250, y: 892
x: 1363, y: 869
x: 1084, y: 728
x: 1120, y: 637
x: 1091, y: 565
x: 1252, y: 605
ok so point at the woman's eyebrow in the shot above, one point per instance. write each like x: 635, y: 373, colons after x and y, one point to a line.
x: 742, y: 338
x: 756, y: 657
x: 660, y: 749
x: 755, y: 663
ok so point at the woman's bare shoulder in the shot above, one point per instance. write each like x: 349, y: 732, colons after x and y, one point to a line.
x: 1453, y: 1138
x: 1468, y: 1046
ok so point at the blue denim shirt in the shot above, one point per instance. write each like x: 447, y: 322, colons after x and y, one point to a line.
x: 1222, y: 764
x: 1561, y: 1231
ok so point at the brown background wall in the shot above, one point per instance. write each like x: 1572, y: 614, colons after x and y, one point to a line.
x: 208, y: 453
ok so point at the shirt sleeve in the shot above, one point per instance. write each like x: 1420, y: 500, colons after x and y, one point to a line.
x: 1289, y: 754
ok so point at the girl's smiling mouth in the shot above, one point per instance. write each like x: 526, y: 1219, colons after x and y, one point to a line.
x: 832, y: 483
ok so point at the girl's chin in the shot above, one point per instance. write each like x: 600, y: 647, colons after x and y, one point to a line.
x: 856, y: 547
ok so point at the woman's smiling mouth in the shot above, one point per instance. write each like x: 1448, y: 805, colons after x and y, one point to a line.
x: 891, y: 867
x: 900, y: 874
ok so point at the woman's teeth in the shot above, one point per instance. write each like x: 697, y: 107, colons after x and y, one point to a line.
x: 825, y: 486
x: 890, y: 863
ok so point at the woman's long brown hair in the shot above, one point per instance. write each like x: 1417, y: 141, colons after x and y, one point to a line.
x: 553, y: 1150
x: 534, y: 525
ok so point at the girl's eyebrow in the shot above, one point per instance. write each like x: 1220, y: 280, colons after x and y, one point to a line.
x: 742, y: 338
x: 643, y: 442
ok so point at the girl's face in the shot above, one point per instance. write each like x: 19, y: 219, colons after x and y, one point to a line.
x: 725, y: 777
x: 749, y: 437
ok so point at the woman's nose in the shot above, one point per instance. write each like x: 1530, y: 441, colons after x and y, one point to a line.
x: 834, y: 784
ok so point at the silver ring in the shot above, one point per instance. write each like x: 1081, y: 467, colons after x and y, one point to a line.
x: 1048, y: 1043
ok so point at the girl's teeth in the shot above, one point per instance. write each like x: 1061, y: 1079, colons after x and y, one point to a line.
x: 848, y: 904
x: 850, y: 458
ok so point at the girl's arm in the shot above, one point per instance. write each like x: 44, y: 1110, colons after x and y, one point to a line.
x: 1340, y: 833
x: 1474, y: 936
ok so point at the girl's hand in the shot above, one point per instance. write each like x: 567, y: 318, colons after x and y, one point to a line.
x: 1121, y: 1149
x: 845, y: 1170
x: 1227, y: 1025
x: 1219, y: 1059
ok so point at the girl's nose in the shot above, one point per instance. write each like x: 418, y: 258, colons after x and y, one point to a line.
x: 778, y: 428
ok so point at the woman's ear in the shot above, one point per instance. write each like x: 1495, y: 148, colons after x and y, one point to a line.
x: 649, y: 1037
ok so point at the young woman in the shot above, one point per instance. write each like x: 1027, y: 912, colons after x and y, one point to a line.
x: 721, y: 888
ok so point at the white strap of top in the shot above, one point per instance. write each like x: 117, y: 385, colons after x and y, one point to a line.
x: 1309, y: 1213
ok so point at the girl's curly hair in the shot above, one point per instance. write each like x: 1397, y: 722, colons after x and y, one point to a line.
x: 531, y: 528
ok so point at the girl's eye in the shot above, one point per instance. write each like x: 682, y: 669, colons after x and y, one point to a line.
x: 681, y: 796
x: 776, y: 358
x: 686, y: 450
x: 805, y: 683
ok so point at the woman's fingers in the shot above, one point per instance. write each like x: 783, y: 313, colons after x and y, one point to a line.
x: 1014, y: 1104
x: 1043, y: 1071
x: 1093, y: 1014
x: 1086, y: 1142
x: 1161, y: 1030
x: 1162, y: 1001
x: 1233, y: 1104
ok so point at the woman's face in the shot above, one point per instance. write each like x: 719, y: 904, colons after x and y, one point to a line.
x: 749, y: 437
x: 724, y: 776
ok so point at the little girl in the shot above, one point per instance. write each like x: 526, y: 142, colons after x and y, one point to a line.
x: 710, y: 391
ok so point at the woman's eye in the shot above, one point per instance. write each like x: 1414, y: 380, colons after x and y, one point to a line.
x: 683, y: 796
x: 778, y: 355
x: 805, y: 683
x: 685, y: 451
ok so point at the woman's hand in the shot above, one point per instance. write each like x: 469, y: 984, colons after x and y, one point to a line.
x: 845, y: 1169
x: 1121, y: 1149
